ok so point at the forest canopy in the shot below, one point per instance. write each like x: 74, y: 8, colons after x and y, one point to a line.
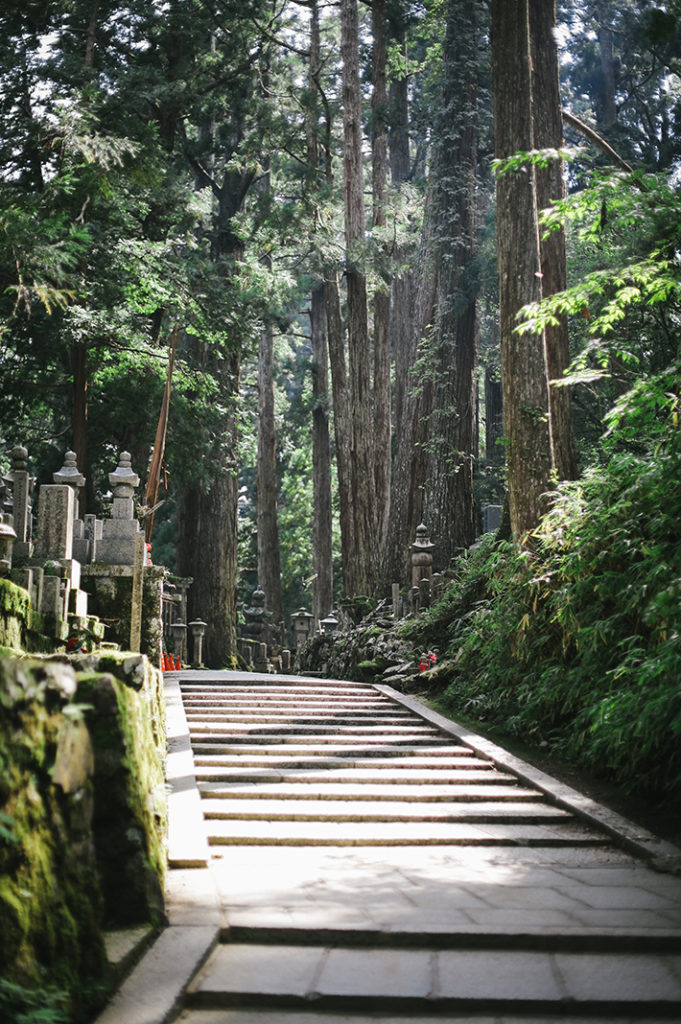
x: 412, y: 259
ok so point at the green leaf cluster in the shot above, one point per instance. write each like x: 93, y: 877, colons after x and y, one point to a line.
x: 575, y: 642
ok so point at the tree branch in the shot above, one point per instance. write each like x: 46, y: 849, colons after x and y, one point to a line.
x: 604, y: 146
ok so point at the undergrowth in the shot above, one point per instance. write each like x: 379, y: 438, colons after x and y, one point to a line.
x: 575, y: 642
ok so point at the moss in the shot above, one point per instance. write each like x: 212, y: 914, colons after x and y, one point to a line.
x: 51, y: 908
x: 57, y: 832
x: 14, y: 600
x: 130, y: 813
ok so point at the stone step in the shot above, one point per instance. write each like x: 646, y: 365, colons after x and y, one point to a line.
x: 331, y: 702
x: 359, y: 758
x: 338, y: 791
x: 265, y: 1015
x: 241, y: 714
x: 392, y: 811
x: 303, y: 833
x: 363, y: 692
x: 463, y: 754
x: 367, y: 776
x: 439, y: 981
x: 383, y: 733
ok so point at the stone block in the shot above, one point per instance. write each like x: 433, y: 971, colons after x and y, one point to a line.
x: 22, y: 578
x: 122, y: 508
x: 78, y: 603
x: 51, y: 603
x: 491, y: 518
x: 116, y: 528
x: 116, y: 550
x: 82, y: 550
x: 55, y: 522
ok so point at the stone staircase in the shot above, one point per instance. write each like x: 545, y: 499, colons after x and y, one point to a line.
x: 374, y: 863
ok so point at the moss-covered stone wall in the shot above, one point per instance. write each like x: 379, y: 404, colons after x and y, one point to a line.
x: 109, y: 590
x: 82, y: 817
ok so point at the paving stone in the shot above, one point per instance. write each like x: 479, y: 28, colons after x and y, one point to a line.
x: 506, y: 976
x: 621, y: 978
x: 269, y: 970
x: 387, y: 972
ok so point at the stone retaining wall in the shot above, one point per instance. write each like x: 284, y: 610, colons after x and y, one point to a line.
x: 82, y: 816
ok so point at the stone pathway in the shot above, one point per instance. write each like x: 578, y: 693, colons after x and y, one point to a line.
x: 340, y: 853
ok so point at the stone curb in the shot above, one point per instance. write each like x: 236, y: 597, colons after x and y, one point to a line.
x: 187, y: 842
x: 660, y: 854
x: 153, y: 993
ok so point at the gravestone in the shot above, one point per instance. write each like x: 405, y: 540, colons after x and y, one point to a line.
x: 117, y: 543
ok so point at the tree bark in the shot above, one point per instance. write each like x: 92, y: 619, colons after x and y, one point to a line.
x: 207, y: 548
x: 523, y: 356
x: 382, y: 361
x: 341, y: 425
x: 548, y: 134
x: 79, y: 367
x: 322, y: 587
x: 411, y: 460
x: 494, y: 420
x: 449, y: 506
x: 269, y: 552
x: 361, y: 440
x: 322, y: 524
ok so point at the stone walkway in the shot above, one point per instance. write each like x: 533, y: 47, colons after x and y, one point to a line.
x: 338, y: 852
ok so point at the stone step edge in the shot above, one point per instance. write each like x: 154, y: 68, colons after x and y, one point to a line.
x: 513, y: 797
x: 401, y: 1005
x: 486, y: 842
x: 659, y: 853
x: 541, y: 939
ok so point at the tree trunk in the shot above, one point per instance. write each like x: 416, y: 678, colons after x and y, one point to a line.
x: 322, y: 587
x: 548, y: 134
x: 523, y: 356
x: 411, y: 460
x: 449, y: 509
x: 322, y: 525
x: 207, y: 551
x: 341, y: 425
x: 269, y: 552
x: 382, y: 395
x: 79, y: 367
x: 207, y: 517
x: 494, y: 420
x: 361, y: 441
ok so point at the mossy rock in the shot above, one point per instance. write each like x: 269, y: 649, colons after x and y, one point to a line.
x: 50, y: 901
x: 130, y: 818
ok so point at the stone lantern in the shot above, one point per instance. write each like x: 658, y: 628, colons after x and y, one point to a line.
x: 301, y: 622
x: 69, y: 473
x: 329, y: 625
x: 179, y: 631
x: 198, y: 628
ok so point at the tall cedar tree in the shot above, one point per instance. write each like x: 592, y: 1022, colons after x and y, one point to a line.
x: 365, y: 550
x: 522, y: 35
x: 322, y: 550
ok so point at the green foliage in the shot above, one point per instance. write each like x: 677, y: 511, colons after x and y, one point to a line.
x: 19, y: 1005
x: 576, y: 644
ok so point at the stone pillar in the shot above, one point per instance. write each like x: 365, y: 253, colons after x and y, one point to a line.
x: 56, y: 513
x: 198, y: 628
x: 21, y: 503
x: 421, y: 557
x: 117, y: 546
